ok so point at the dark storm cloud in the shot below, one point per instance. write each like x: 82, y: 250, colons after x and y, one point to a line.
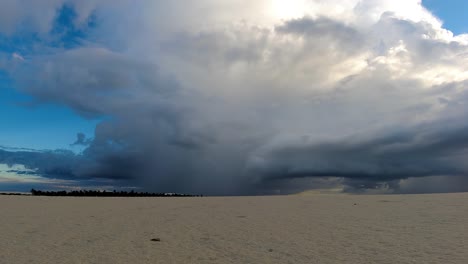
x: 152, y: 136
x: 81, y: 140
x: 363, y: 99
x: 51, y: 164
x: 367, y: 161
x: 95, y: 82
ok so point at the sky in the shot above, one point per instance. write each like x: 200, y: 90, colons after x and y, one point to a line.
x: 452, y: 13
x: 234, y: 97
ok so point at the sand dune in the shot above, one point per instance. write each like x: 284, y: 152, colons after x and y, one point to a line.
x: 286, y: 229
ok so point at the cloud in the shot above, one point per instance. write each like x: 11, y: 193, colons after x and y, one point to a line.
x: 212, y: 97
x: 426, y: 150
x: 51, y: 164
x: 17, y: 56
x: 81, y: 140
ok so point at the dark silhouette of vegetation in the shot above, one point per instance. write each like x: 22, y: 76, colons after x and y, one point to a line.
x: 93, y: 193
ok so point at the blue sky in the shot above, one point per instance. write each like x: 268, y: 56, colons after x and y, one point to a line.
x: 452, y: 12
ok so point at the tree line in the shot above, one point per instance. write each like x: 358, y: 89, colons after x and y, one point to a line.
x: 94, y: 193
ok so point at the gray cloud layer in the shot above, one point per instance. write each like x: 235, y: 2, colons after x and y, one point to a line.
x: 235, y: 103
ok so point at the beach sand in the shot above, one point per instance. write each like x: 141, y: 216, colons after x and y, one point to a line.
x: 282, y: 229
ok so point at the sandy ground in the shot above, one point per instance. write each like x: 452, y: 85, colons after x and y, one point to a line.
x: 288, y: 229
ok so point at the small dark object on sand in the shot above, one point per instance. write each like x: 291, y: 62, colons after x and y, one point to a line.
x: 270, y: 250
x: 355, y: 204
x: 156, y: 240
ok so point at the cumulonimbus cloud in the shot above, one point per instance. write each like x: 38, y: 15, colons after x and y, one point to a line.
x: 216, y: 98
